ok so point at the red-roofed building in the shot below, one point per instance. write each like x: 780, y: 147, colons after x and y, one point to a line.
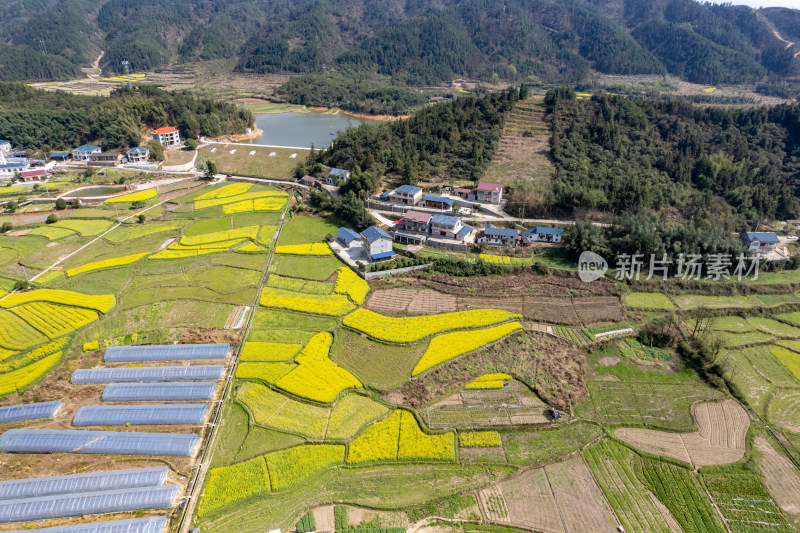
x: 490, y: 193
x: 308, y: 180
x: 34, y: 175
x: 167, y: 136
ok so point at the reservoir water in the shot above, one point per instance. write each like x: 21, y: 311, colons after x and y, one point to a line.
x: 304, y: 129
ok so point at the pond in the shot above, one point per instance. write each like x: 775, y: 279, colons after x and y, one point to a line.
x: 94, y: 191
x: 301, y: 130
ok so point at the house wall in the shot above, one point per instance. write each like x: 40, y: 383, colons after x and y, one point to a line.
x: 380, y: 246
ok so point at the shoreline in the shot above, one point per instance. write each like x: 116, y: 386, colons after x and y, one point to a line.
x: 296, y: 108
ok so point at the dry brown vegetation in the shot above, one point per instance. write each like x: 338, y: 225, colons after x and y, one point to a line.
x: 780, y: 477
x: 551, y: 366
x: 720, y: 439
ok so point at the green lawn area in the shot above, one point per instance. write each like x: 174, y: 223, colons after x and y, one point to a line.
x: 280, y: 166
x: 382, y: 366
x: 316, y: 268
x: 694, y: 301
x: 648, y: 300
x: 208, y: 225
x: 774, y: 327
x: 304, y: 229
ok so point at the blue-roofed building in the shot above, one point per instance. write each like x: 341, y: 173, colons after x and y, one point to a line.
x: 10, y: 170
x: 760, y: 242
x: 60, y: 156
x: 406, y: 195
x: 84, y: 153
x: 445, y: 226
x: 379, y: 243
x: 347, y: 237
x: 436, y: 202
x: 139, y: 154
x: 5, y: 146
x: 495, y: 236
x: 542, y: 234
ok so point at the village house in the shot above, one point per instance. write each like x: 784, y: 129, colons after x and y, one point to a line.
x: 379, y: 244
x: 38, y: 175
x: 60, y: 156
x: 436, y: 202
x: 413, y: 228
x: 108, y: 159
x: 167, y: 136
x: 542, y: 234
x: 139, y: 154
x: 347, y: 237
x: 484, y: 192
x: 449, y: 227
x: 495, y: 236
x: 10, y: 170
x: 336, y: 176
x: 84, y: 153
x: 406, y: 195
x: 761, y: 242
x: 794, y: 223
x: 308, y: 181
x: 5, y: 147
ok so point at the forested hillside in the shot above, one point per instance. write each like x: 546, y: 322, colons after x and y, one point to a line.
x: 415, y: 42
x: 38, y: 120
x: 619, y: 154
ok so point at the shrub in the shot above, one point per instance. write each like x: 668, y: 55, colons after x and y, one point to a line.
x: 51, y: 218
x: 61, y: 203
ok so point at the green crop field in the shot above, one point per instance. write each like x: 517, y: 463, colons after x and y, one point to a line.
x: 648, y: 300
x: 278, y: 166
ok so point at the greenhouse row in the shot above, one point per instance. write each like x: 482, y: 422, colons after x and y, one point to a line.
x: 166, y: 352
x: 156, y: 373
x: 140, y: 415
x: 29, y: 411
x: 106, y: 442
x: 155, y: 524
x: 95, y: 481
x: 165, y: 392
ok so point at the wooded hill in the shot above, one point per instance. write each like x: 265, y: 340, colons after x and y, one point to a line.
x: 41, y: 121
x: 413, y: 42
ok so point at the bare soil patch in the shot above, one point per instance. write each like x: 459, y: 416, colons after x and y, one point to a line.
x: 720, y: 439
x: 323, y: 518
x: 608, y: 360
x: 531, y: 503
x: 582, y: 504
x: 780, y: 477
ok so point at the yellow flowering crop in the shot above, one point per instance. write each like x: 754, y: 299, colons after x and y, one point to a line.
x: 246, y: 197
x: 506, y: 260
x: 18, y: 380
x: 295, y: 465
x: 416, y: 444
x: 232, y: 189
x: 16, y: 334
x: 269, y: 351
x: 234, y: 483
x: 449, y: 345
x: 90, y: 346
x: 54, y: 320
x: 311, y: 248
x: 350, y: 414
x: 252, y: 248
x: 274, y: 410
x: 317, y: 377
x: 99, y: 302
x: 178, y: 251
x: 106, y: 263
x: 134, y: 196
x: 351, y: 284
x: 249, y: 232
x: 414, y: 328
x: 269, y: 372
x: 274, y: 203
x: 489, y: 381
x: 320, y: 304
x: 479, y: 439
x: 378, y: 442
x: 32, y: 356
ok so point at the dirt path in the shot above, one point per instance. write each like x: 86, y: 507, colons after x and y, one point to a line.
x: 93, y: 72
x: 774, y: 30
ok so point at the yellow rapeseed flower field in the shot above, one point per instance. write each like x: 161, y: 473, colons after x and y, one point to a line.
x: 351, y: 284
x: 449, y: 345
x: 269, y: 351
x: 489, y: 381
x: 269, y: 372
x: 416, y: 444
x: 378, y: 442
x: 19, y: 380
x: 248, y: 232
x: 137, y: 196
x: 105, y: 263
x: 295, y: 465
x: 54, y: 320
x: 231, y: 189
x: 311, y: 248
x: 234, y: 483
x: 251, y: 197
x: 320, y: 304
x: 414, y: 328
x: 479, y: 439
x: 99, y: 302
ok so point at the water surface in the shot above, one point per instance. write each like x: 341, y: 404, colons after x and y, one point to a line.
x: 302, y: 130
